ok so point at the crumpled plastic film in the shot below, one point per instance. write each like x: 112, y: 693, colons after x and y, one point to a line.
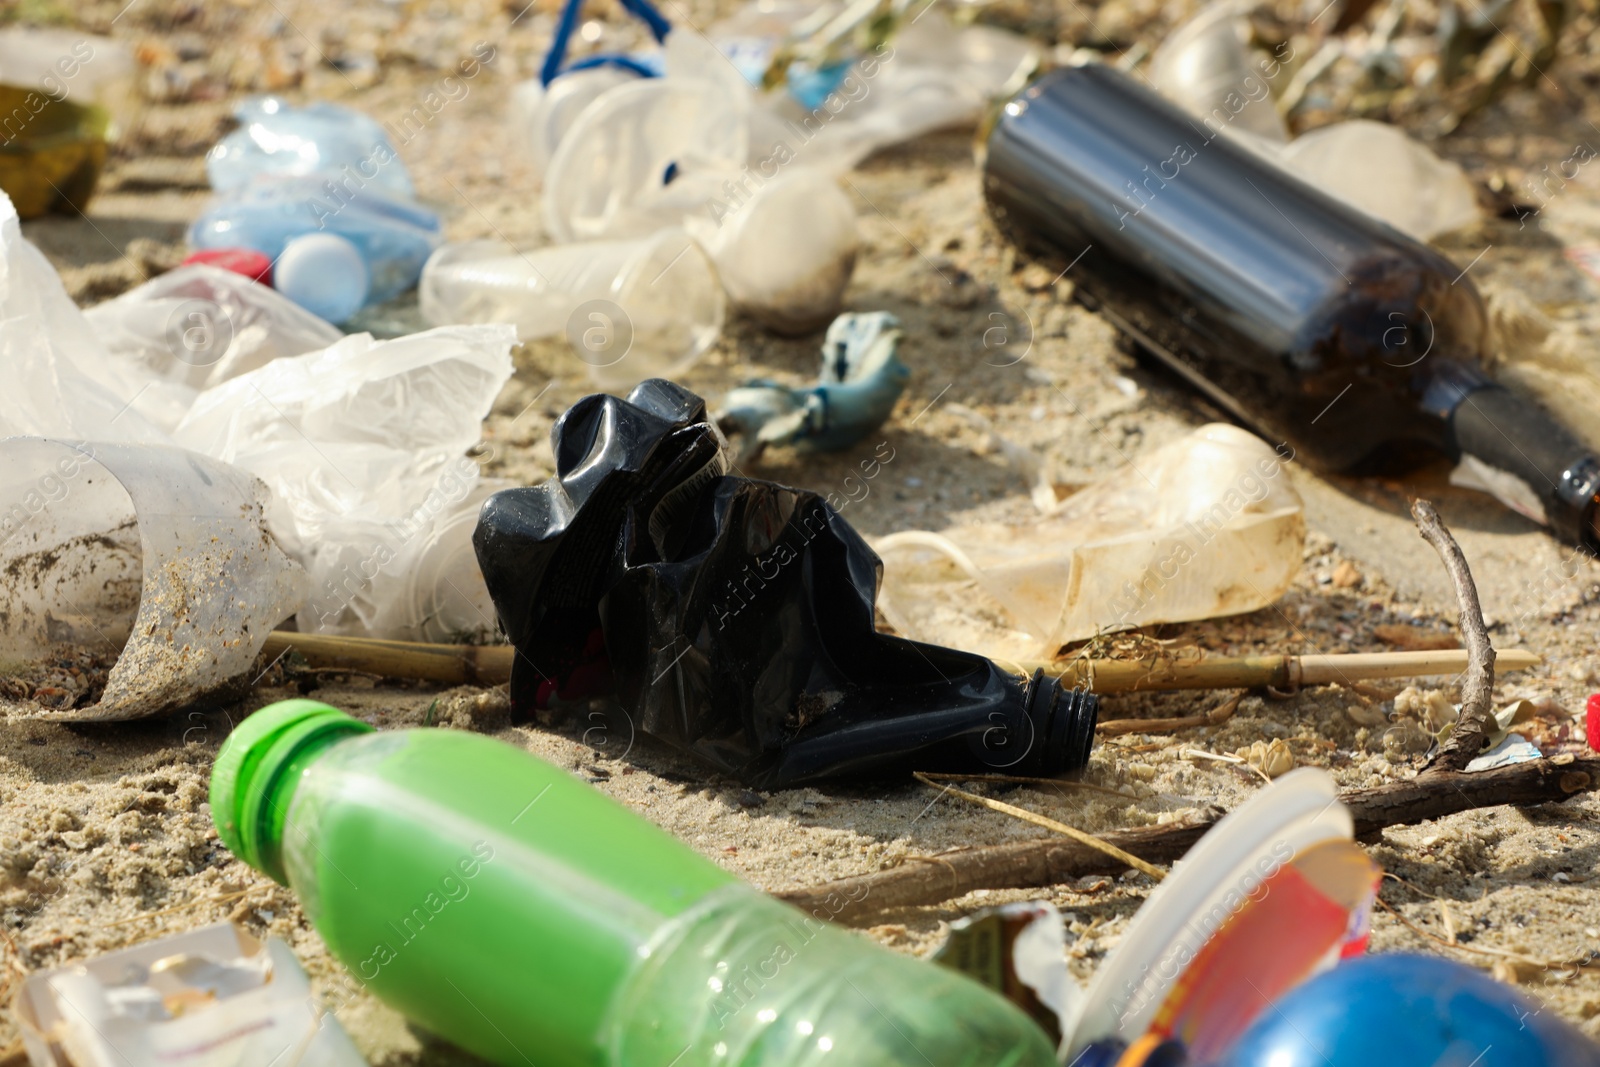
x: 148, y: 547
x: 359, y: 464
x: 1206, y: 526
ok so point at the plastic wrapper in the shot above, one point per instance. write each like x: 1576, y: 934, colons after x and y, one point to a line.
x: 862, y: 378
x: 632, y: 309
x: 364, y: 447
x: 212, y: 997
x: 1206, y: 526
x: 733, y: 619
x: 279, y: 138
x: 394, y: 234
x: 1384, y: 172
x: 198, y: 326
x: 150, y: 553
x: 786, y: 253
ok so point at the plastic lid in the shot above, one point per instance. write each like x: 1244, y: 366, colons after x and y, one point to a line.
x: 250, y: 767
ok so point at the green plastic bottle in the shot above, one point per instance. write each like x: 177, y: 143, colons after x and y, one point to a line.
x: 503, y: 904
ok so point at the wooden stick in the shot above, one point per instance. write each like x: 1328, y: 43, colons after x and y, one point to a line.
x: 1052, y: 861
x: 491, y: 665
x: 451, y: 664
x: 1125, y: 858
x: 1215, y: 717
x: 1467, y: 739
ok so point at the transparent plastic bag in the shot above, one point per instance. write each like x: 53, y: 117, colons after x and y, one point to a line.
x: 364, y: 447
x: 277, y: 137
x: 633, y: 309
x: 152, y: 553
x: 198, y: 326
x: 1384, y: 172
x: 1206, y: 526
x: 60, y: 381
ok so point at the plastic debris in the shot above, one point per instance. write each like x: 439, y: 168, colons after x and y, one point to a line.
x: 393, y: 234
x: 363, y: 475
x: 1207, y: 68
x: 1274, y: 893
x: 59, y: 91
x: 199, y: 326
x: 1018, y: 951
x: 1403, y: 1008
x: 544, y: 113
x: 1381, y: 170
x: 785, y: 252
x: 631, y: 309
x: 325, y: 274
x: 214, y: 997
x: 733, y: 619
x: 246, y: 261
x: 149, y: 553
x: 1206, y: 526
x: 861, y: 379
x: 276, y: 137
x: 634, y: 945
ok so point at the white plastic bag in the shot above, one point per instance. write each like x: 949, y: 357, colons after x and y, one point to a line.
x: 1207, y: 526
x: 364, y: 446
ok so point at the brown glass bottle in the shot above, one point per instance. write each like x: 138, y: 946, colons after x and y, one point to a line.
x: 1310, y: 321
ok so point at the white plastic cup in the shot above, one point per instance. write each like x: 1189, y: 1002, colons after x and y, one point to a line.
x: 631, y: 309
x: 786, y: 250
x: 542, y: 114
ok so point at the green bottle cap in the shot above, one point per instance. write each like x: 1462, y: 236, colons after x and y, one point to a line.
x: 251, y: 766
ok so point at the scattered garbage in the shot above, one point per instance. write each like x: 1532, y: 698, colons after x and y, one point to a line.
x: 214, y: 997
x: 637, y: 950
x: 364, y: 445
x: 148, y: 553
x: 733, y: 619
x: 632, y: 309
x: 861, y: 380
x: 325, y: 274
x: 248, y: 262
x: 1407, y: 1008
x: 1311, y: 321
x: 1377, y: 168
x: 393, y: 235
x: 1207, y: 67
x: 277, y: 138
x: 1206, y: 526
x: 199, y: 326
x: 803, y: 213
x: 59, y: 91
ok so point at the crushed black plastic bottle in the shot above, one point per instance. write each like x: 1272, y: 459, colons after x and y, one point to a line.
x: 733, y: 618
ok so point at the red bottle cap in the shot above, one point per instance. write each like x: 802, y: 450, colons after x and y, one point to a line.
x: 246, y: 261
x: 1591, y: 722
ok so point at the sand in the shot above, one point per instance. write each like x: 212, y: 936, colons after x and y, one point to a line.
x: 105, y: 834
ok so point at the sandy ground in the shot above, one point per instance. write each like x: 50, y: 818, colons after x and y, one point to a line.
x: 105, y: 835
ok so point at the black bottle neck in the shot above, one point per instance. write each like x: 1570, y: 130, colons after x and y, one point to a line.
x: 1517, y: 451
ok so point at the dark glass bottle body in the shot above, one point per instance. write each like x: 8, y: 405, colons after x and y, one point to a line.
x: 1309, y: 320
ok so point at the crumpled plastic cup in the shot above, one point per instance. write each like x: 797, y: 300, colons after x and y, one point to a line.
x: 1384, y: 172
x: 1206, y: 68
x: 785, y: 254
x: 644, y: 156
x: 631, y: 310
x: 1206, y: 526
x: 150, y: 549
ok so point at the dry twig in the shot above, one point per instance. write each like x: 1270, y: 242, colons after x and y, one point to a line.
x: 1477, y: 690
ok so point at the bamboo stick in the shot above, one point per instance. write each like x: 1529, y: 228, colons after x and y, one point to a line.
x: 491, y: 665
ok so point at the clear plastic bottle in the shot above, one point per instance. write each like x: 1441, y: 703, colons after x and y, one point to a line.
x: 633, y: 309
x: 505, y: 905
